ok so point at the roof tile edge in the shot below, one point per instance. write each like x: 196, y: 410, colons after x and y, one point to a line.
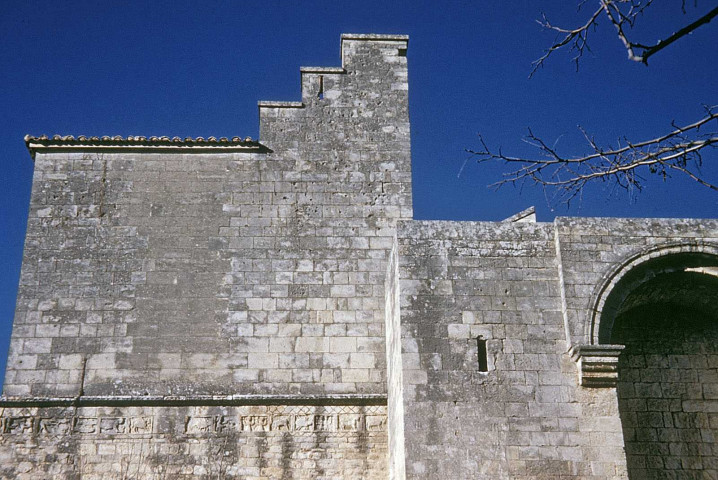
x: 279, y: 104
x: 327, y: 70
x: 374, y: 36
x: 67, y: 142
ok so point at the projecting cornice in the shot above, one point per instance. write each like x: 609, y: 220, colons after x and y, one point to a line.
x: 192, y: 400
x: 597, y: 364
x: 107, y: 143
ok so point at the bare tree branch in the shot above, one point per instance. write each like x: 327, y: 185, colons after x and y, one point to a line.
x: 624, y: 165
x: 577, y: 38
x: 622, y: 14
x: 618, y: 19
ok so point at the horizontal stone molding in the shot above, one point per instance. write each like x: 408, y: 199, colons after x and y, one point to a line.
x: 193, y: 400
x: 597, y: 364
x: 374, y: 37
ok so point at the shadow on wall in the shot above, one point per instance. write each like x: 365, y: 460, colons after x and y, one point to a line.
x: 668, y: 375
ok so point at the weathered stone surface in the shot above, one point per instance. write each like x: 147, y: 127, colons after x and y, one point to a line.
x: 668, y: 384
x: 194, y: 267
x: 268, y: 309
x: 258, y: 442
x: 525, y: 417
x: 517, y: 287
x: 216, y: 272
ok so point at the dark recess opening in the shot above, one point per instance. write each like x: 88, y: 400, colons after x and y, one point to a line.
x: 669, y: 326
x: 483, y: 359
x: 321, y: 87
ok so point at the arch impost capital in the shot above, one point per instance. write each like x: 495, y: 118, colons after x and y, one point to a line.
x: 597, y: 364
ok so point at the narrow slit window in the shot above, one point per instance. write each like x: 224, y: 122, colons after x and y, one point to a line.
x: 481, y: 351
x: 320, y: 94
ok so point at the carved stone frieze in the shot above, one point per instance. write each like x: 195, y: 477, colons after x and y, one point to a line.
x: 198, y: 422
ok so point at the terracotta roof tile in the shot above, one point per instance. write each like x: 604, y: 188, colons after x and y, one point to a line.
x: 60, y: 142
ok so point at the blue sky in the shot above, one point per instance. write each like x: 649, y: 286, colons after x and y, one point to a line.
x: 184, y: 68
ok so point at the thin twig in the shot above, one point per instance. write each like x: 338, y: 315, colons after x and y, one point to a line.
x: 622, y: 14
x: 678, y: 151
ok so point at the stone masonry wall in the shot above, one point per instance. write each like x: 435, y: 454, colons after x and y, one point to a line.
x: 197, y: 272
x: 526, y: 417
x: 593, y: 248
x: 204, y: 273
x: 229, y: 309
x: 395, y: 373
x: 668, y: 374
x: 206, y: 443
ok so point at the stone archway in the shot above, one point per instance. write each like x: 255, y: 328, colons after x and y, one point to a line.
x: 664, y: 309
x: 636, y: 270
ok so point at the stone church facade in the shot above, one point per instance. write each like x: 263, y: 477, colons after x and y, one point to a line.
x: 231, y: 308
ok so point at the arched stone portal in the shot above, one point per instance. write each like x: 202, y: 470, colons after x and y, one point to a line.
x: 665, y: 311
